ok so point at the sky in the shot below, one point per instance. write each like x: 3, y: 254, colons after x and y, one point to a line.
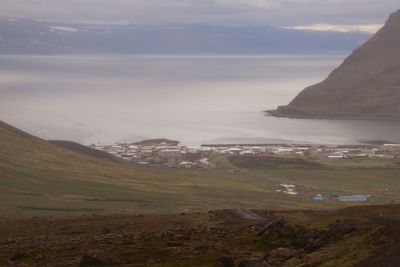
x: 340, y: 15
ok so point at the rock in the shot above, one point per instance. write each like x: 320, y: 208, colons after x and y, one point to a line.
x: 105, y: 230
x: 202, y: 247
x: 19, y: 254
x: 100, y: 258
x: 315, y: 239
x: 199, y: 228
x: 339, y: 229
x: 250, y: 262
x: 224, y: 261
x: 181, y: 237
x: 272, y: 227
x: 279, y: 228
x: 280, y: 255
x: 174, y: 244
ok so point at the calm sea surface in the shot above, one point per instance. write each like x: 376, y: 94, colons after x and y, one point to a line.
x: 195, y: 99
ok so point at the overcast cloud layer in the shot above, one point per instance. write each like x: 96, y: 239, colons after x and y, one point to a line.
x: 217, y: 12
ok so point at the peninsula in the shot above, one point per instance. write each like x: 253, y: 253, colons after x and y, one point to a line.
x: 365, y: 86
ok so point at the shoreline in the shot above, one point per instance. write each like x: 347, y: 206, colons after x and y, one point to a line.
x: 277, y: 114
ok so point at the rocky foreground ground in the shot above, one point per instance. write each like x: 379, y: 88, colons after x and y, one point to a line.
x: 362, y: 236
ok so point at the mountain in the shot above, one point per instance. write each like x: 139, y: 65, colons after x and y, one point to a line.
x: 28, y: 36
x: 365, y: 86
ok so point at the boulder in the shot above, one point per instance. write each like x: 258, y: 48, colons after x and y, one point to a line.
x: 174, y: 244
x: 105, y: 230
x: 250, y: 262
x: 315, y: 239
x: 99, y: 258
x: 279, y: 256
x: 19, y: 254
x: 339, y: 229
x: 224, y: 261
x: 278, y: 228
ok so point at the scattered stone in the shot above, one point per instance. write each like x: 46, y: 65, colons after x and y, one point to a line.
x: 39, y: 258
x: 174, y: 244
x: 280, y: 255
x: 279, y: 228
x: 341, y: 228
x: 10, y: 241
x: 315, y: 239
x: 105, y: 230
x: 224, y: 261
x: 202, y: 247
x: 181, y: 237
x: 18, y: 255
x: 99, y: 257
x: 250, y: 262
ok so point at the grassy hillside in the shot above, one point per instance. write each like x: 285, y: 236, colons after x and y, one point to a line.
x: 81, y: 149
x: 39, y: 178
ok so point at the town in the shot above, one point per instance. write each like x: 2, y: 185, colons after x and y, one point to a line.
x: 171, y: 154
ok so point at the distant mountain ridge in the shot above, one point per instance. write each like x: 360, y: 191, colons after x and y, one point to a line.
x: 28, y: 36
x: 365, y: 86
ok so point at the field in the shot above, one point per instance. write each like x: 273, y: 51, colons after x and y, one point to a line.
x: 39, y: 178
x: 375, y: 177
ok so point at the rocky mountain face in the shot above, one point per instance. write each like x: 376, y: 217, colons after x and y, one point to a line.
x: 365, y: 86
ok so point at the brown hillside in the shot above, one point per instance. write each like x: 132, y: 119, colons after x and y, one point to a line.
x: 366, y: 85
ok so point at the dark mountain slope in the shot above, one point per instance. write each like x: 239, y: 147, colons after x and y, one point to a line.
x: 84, y: 150
x: 366, y: 85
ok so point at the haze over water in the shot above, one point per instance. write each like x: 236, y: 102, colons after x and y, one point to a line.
x: 194, y: 99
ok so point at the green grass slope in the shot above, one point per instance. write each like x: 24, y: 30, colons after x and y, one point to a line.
x: 81, y: 149
x: 37, y: 177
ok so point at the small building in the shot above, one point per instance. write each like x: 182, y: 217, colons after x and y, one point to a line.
x: 185, y: 164
x: 288, y: 185
x: 354, y: 198
x: 169, y: 153
x: 319, y: 197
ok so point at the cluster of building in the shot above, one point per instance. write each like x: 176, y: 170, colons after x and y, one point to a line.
x: 291, y: 189
x: 169, y: 153
x: 160, y: 152
x: 386, y: 151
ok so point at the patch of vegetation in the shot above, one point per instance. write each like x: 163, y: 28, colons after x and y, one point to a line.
x: 40, y: 179
x: 198, y: 239
x: 255, y: 162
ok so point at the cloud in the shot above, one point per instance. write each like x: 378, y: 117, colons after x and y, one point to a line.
x: 370, y: 28
x: 220, y: 12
